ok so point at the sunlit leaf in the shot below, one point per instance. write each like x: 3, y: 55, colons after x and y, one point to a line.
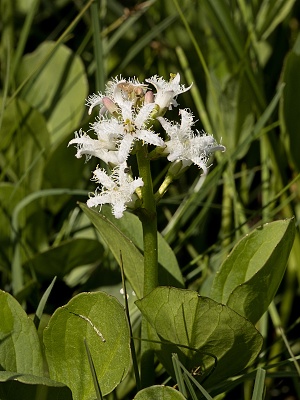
x: 249, y: 278
x: 100, y: 319
x: 20, y: 350
x: 58, y: 89
x: 24, y: 139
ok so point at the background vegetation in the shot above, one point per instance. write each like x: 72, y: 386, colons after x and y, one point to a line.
x: 243, y: 58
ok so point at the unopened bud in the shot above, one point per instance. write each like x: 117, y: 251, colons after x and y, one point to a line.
x: 149, y: 97
x: 109, y: 105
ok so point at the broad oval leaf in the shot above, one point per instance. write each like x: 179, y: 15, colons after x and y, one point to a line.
x: 250, y: 276
x: 58, y: 88
x: 157, y: 392
x: 20, y: 350
x: 100, y: 319
x: 29, y: 387
x: 205, y: 334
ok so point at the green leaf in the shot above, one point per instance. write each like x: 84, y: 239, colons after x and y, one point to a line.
x: 270, y: 15
x: 159, y: 393
x: 24, y: 140
x: 20, y: 350
x: 24, y: 6
x: 249, y: 278
x: 40, y: 309
x: 29, y: 387
x: 148, y: 37
x: 133, y: 261
x: 73, y: 168
x: 100, y: 319
x: 58, y: 88
x: 238, y: 117
x: 60, y: 260
x: 122, y: 237
x: 291, y: 100
x: 10, y: 195
x: 202, y: 332
x: 259, y: 387
x: 131, y: 226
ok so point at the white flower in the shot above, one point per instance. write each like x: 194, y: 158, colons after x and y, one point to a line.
x: 134, y: 127
x: 115, y: 136
x: 186, y: 146
x: 129, y: 89
x: 167, y: 91
x: 117, y: 189
x: 128, y: 121
x: 104, y: 147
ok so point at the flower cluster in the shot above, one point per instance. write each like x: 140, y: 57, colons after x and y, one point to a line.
x: 127, y: 113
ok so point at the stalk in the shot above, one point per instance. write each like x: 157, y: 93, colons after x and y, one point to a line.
x: 148, y: 218
x: 149, y: 223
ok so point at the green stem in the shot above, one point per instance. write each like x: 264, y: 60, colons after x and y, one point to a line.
x: 148, y: 218
x: 163, y: 187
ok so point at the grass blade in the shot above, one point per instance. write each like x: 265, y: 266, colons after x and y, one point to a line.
x: 98, y: 48
x: 196, y: 383
x: 146, y: 39
x: 93, y: 371
x: 178, y: 374
x: 24, y: 35
x: 190, y: 387
x: 42, y: 303
x: 259, y: 385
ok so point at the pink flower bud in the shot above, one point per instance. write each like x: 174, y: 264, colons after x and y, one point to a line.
x: 149, y: 97
x: 109, y: 105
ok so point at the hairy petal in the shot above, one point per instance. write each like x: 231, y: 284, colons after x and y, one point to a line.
x: 125, y: 147
x: 150, y: 137
x: 94, y: 100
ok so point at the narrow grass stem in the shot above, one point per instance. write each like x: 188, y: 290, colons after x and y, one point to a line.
x: 98, y: 48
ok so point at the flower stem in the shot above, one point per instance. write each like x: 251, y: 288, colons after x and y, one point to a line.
x: 148, y: 218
